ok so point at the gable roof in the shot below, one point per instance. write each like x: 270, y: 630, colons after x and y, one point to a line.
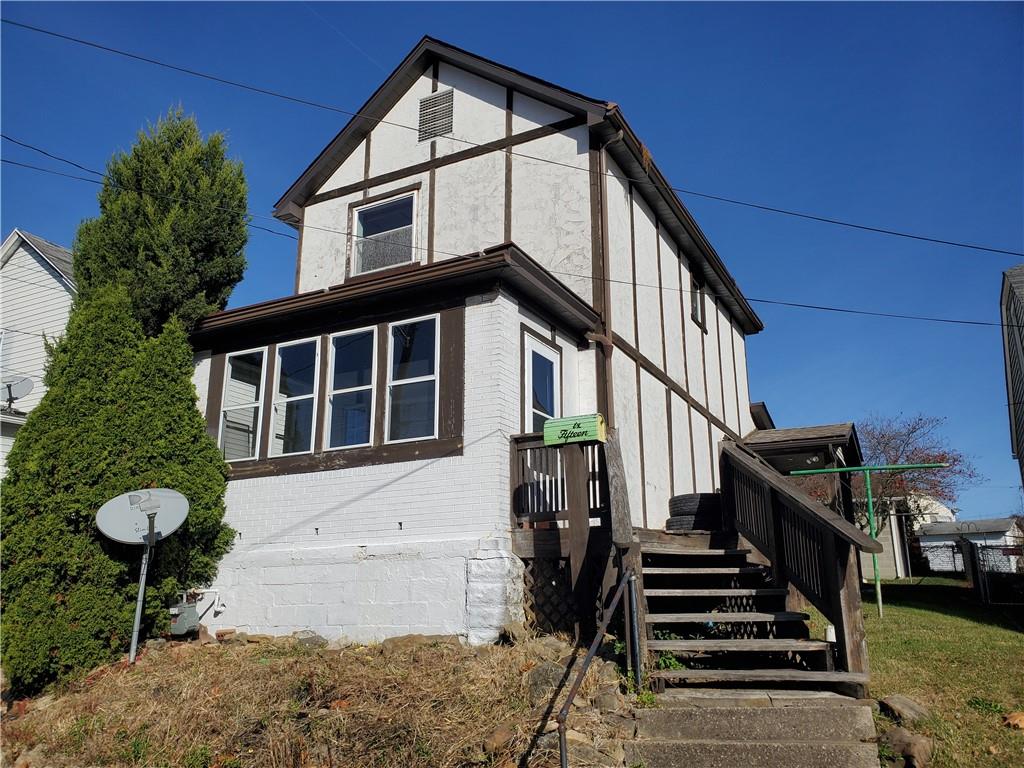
x: 57, y: 256
x: 998, y: 525
x: 607, y: 125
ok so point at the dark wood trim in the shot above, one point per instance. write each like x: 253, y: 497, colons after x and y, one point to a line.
x: 597, y: 255
x: 721, y: 369
x: 268, y: 402
x: 320, y: 414
x: 671, y: 447
x: 607, y: 312
x: 735, y: 375
x: 435, y: 71
x: 298, y: 258
x: 215, y: 394
x: 682, y: 325
x: 553, y: 543
x: 632, y: 256
x: 451, y: 378
x: 380, y: 387
x: 661, y: 295
x: 414, y: 187
x: 454, y: 157
x: 704, y: 365
x: 693, y: 457
x: 509, y: 102
x: 344, y: 459
x: 431, y: 196
x: 640, y: 433
x: 711, y: 454
x: 366, y: 163
x: 651, y: 367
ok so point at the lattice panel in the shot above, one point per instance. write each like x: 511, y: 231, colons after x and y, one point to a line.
x: 548, y: 596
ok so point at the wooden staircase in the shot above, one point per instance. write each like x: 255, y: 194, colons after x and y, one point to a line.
x: 714, y: 616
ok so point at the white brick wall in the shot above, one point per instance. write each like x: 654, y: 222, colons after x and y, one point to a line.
x: 365, y: 553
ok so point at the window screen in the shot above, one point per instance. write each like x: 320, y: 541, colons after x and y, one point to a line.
x: 384, y: 235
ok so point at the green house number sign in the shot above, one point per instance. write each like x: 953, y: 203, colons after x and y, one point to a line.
x: 575, y: 429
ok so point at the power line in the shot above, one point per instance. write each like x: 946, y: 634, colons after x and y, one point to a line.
x: 778, y: 302
x: 379, y: 121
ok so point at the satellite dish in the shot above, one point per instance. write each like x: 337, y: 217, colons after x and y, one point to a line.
x: 125, y: 518
x: 16, y: 387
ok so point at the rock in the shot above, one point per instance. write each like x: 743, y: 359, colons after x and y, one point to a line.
x: 607, y: 702
x: 155, y: 644
x: 179, y: 651
x: 204, y: 637
x: 541, y: 650
x: 621, y: 726
x: 903, y: 709
x: 549, y: 741
x: 307, y: 638
x: 261, y: 638
x: 407, y: 643
x: 1014, y: 720
x: 542, y: 680
x: 614, y: 750
x: 498, y: 739
x: 585, y: 754
x: 516, y: 632
x: 577, y: 737
x: 224, y: 634
x: 34, y: 758
x: 239, y: 638
x: 915, y: 749
x: 609, y: 673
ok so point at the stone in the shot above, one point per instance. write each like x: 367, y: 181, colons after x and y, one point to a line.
x: 261, y: 638
x: 498, y: 739
x: 609, y: 673
x: 542, y: 680
x: 621, y: 726
x: 903, y: 709
x: 307, y: 638
x: 585, y: 754
x: 548, y: 741
x: 155, y: 644
x: 515, y: 631
x: 915, y: 749
x: 607, y: 702
x: 204, y: 636
x: 239, y: 638
x: 577, y: 737
x: 224, y: 634
x: 614, y: 750
x: 407, y: 643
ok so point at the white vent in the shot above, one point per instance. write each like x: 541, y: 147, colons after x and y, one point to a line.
x: 436, y: 115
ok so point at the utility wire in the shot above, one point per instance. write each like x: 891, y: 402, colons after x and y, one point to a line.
x: 798, y: 305
x: 379, y: 121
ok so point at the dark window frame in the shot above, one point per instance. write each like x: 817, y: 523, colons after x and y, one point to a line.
x: 698, y: 303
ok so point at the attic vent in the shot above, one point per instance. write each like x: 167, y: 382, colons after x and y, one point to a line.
x: 436, y: 115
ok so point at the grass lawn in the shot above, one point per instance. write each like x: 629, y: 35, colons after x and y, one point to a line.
x: 963, y: 661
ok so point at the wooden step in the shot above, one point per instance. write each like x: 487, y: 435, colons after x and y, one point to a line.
x: 757, y: 676
x: 723, y: 617
x: 658, y: 548
x: 766, y: 645
x: 722, y: 592
x: 723, y: 571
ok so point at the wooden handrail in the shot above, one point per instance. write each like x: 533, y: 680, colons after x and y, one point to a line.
x: 804, y: 504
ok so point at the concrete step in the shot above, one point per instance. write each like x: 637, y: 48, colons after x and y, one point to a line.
x: 806, y: 723
x: 687, y: 698
x: 721, y: 617
x: 798, y: 676
x: 751, y: 754
x: 752, y: 645
x: 721, y: 592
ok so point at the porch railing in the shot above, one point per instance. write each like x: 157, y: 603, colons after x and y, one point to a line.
x: 808, y: 545
x: 543, y: 477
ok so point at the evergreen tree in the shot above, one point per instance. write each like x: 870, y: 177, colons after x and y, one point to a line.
x: 119, y: 414
x: 172, y: 225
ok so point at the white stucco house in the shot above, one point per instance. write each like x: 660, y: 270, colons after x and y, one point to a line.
x: 37, y: 287
x: 1002, y: 539
x: 479, y: 250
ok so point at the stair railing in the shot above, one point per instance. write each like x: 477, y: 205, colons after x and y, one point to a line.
x: 628, y: 580
x: 809, y: 546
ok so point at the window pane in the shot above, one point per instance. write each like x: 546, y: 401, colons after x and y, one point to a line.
x: 538, y: 421
x: 412, y: 410
x: 238, y: 433
x: 293, y: 427
x: 244, y: 381
x: 385, y: 235
x: 353, y: 361
x: 412, y: 350
x: 543, y: 384
x: 350, y: 418
x: 296, y: 369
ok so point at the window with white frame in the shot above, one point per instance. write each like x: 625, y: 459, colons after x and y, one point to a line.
x: 294, y: 405
x: 350, y: 389
x: 412, y: 380
x: 384, y: 234
x: 543, y: 383
x: 242, y: 404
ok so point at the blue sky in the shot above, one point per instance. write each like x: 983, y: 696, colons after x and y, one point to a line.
x: 905, y: 116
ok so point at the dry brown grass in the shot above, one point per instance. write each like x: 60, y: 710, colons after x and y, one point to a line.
x: 272, y: 705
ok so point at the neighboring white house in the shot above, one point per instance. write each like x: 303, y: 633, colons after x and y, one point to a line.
x: 1001, y: 537
x: 37, y: 286
x: 454, y: 290
x: 894, y: 530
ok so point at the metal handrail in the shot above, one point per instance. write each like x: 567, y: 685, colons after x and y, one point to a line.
x: 628, y: 578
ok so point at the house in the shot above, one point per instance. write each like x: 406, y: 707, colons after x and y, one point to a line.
x: 898, y: 527
x: 37, y: 282
x: 1011, y: 311
x: 487, y: 251
x: 1001, y: 539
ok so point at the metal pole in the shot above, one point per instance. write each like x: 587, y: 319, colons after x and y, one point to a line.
x: 634, y: 633
x: 142, y: 587
x: 874, y: 535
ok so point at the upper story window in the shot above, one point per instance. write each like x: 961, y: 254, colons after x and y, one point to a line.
x: 241, y: 405
x: 384, y: 234
x: 350, y: 384
x: 294, y: 398
x: 412, y: 380
x: 543, y: 384
x: 697, y: 309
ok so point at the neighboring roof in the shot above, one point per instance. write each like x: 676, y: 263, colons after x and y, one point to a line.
x: 966, y: 527
x: 761, y: 417
x: 1015, y: 277
x: 798, y: 440
x: 504, y: 264
x: 606, y: 123
x: 59, y: 257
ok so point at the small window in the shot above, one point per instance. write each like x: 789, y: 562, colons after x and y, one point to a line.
x: 697, y: 312
x: 294, y: 398
x: 412, y: 380
x: 543, y: 384
x: 436, y: 112
x: 241, y: 407
x: 384, y: 234
x: 350, y: 387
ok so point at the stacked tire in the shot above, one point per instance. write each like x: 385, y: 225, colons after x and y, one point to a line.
x: 695, y: 512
